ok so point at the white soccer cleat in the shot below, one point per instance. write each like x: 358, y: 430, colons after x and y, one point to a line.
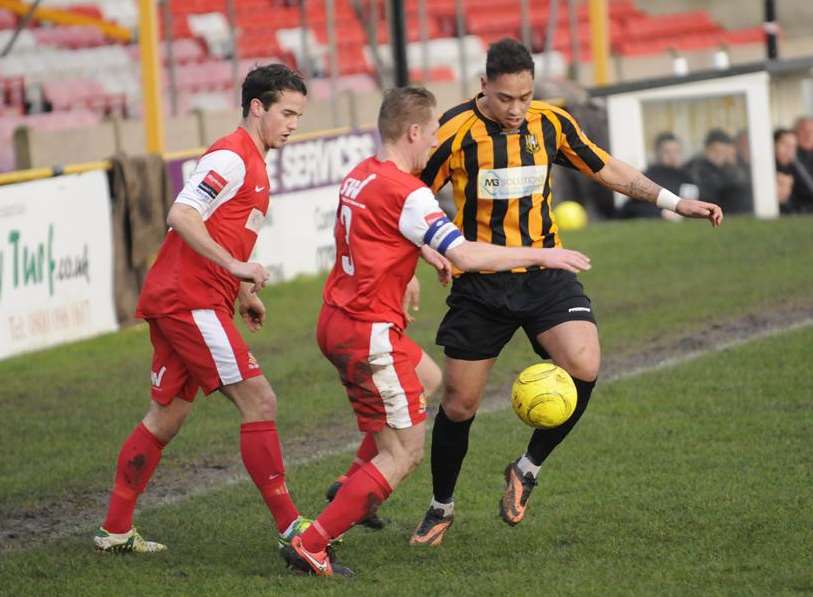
x: 129, y: 542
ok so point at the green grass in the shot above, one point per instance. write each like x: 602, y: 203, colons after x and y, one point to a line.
x: 651, y: 281
x: 691, y: 480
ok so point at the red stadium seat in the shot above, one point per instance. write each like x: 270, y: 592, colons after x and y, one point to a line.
x: 744, y: 36
x: 7, y: 20
x: 352, y: 60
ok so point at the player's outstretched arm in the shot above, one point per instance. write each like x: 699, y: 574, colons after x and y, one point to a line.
x: 187, y: 222
x: 475, y: 256
x: 620, y: 176
x: 423, y: 222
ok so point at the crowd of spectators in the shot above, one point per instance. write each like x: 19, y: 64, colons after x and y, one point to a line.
x: 793, y: 150
x: 721, y: 173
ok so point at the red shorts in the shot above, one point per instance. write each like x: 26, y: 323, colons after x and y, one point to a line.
x: 377, y: 364
x: 197, y: 349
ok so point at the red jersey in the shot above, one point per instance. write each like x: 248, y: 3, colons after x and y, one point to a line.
x: 384, y: 217
x: 230, y: 189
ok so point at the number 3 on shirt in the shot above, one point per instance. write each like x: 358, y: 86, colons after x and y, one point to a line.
x: 346, y: 218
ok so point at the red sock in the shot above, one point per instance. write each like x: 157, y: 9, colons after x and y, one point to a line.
x: 366, y: 488
x: 138, y: 458
x: 366, y: 452
x: 262, y: 457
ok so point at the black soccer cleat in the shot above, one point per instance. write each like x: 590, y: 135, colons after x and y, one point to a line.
x: 433, y: 527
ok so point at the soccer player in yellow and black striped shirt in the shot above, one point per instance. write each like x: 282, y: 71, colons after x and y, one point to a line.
x: 497, y: 150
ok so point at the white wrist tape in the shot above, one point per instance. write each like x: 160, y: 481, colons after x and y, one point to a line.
x: 667, y: 200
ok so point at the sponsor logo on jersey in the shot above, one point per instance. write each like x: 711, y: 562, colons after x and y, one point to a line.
x: 255, y: 220
x: 352, y: 187
x: 252, y: 362
x: 433, y: 217
x: 157, y: 377
x: 212, y: 184
x: 510, y: 183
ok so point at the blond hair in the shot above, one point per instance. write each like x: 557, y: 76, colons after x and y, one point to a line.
x: 401, y: 108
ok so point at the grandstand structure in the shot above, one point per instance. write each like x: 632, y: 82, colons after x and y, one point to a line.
x: 76, y: 63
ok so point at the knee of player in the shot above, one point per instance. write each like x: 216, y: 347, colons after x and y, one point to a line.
x: 262, y: 406
x: 167, y: 432
x: 164, y: 423
x: 585, y: 368
x: 163, y: 431
x: 459, y: 407
x: 267, y: 405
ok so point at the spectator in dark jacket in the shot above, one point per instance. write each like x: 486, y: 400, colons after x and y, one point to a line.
x: 784, y: 150
x: 667, y: 172
x: 720, y: 180
x: 802, y: 198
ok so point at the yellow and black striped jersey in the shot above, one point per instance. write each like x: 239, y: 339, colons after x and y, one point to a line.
x: 501, y: 180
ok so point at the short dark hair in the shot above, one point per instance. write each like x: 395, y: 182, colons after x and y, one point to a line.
x: 402, y: 107
x: 718, y: 136
x: 665, y: 137
x: 266, y: 83
x: 506, y: 57
x: 779, y: 133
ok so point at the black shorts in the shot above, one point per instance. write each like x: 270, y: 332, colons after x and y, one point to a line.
x: 486, y: 309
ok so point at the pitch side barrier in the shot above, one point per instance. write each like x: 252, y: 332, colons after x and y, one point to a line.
x: 76, y: 240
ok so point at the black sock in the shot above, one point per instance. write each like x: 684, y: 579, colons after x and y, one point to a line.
x: 450, y: 442
x: 543, y: 441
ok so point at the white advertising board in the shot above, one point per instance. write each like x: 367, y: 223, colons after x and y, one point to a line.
x: 56, y: 262
x: 297, y: 236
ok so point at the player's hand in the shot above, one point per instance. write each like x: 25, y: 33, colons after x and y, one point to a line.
x: 572, y: 261
x: 252, y: 311
x: 412, y: 298
x: 691, y: 208
x: 248, y: 271
x: 442, y: 265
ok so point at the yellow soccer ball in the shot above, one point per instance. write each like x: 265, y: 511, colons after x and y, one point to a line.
x: 544, y: 396
x: 570, y: 215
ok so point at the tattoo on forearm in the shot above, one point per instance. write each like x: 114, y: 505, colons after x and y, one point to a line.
x: 638, y: 187
x: 641, y: 187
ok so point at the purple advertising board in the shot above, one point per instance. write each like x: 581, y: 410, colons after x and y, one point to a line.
x: 304, y: 164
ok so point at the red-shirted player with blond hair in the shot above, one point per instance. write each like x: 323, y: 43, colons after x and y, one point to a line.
x: 188, y: 301
x: 386, y: 218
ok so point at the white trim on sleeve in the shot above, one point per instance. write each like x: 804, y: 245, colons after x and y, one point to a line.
x: 216, y: 179
x: 424, y: 223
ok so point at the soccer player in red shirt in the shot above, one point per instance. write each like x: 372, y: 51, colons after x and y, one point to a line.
x: 188, y: 302
x: 386, y: 218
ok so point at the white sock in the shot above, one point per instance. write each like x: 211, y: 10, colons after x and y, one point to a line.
x: 525, y: 465
x: 448, y: 509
